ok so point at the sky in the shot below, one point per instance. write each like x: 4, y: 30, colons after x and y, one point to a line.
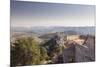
x: 29, y: 14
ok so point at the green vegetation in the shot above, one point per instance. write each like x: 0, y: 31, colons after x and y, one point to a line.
x: 26, y: 51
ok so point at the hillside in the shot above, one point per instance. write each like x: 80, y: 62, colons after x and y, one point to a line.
x: 51, y: 46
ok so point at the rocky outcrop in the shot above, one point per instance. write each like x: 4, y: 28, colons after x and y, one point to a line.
x: 80, y: 53
x: 79, y: 49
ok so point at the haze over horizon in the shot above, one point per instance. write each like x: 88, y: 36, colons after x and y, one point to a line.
x: 30, y: 14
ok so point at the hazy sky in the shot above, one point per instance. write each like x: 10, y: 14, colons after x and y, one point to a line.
x: 27, y: 14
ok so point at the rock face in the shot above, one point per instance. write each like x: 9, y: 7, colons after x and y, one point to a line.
x: 54, y: 48
x: 72, y: 50
x: 69, y: 54
x: 56, y: 41
x: 80, y: 53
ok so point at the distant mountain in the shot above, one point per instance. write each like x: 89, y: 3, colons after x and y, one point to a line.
x: 81, y: 30
x: 53, y: 29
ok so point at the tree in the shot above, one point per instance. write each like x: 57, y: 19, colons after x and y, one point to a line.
x: 26, y: 51
x: 43, y: 52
